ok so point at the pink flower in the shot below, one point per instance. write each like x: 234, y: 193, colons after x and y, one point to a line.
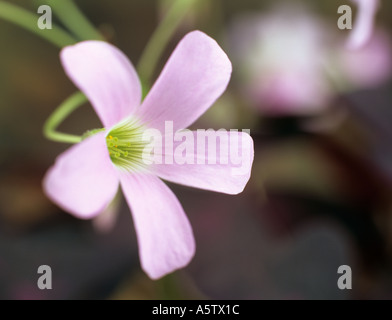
x: 85, y: 178
x: 280, y: 56
x: 363, y: 27
x: 292, y: 62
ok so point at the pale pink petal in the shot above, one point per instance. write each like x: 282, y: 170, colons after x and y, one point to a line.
x: 106, y: 76
x: 164, y: 233
x: 196, y: 74
x: 363, y: 26
x: 222, y: 167
x: 105, y: 221
x: 83, y: 180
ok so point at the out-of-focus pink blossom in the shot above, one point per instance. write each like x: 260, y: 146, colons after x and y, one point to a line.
x: 364, y: 24
x: 292, y: 62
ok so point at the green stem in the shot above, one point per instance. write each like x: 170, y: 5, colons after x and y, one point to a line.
x: 70, y: 15
x: 28, y: 21
x: 168, y: 288
x: 160, y: 38
x: 58, y: 116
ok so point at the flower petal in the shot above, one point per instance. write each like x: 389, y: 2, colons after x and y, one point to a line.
x: 200, y: 168
x: 83, y: 181
x: 164, y: 233
x: 106, y: 77
x: 195, y: 76
x: 364, y: 24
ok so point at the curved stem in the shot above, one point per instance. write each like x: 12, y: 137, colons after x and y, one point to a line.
x: 70, y: 15
x: 28, y: 21
x: 58, y: 116
x: 160, y: 38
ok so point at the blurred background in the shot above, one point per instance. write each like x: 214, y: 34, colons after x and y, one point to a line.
x: 320, y: 191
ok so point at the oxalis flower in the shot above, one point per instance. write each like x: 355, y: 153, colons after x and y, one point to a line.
x: 86, y: 177
x: 291, y: 62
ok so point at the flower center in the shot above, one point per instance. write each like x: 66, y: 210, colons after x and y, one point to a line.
x: 125, y: 145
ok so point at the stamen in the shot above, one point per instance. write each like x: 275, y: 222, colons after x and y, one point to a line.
x: 125, y: 145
